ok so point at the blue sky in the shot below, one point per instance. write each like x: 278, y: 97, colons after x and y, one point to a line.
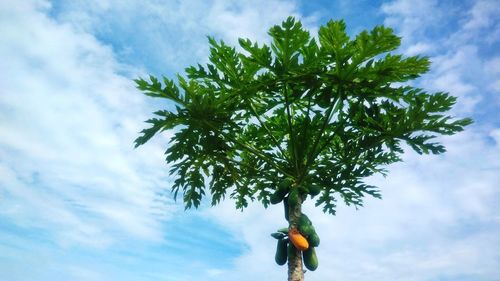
x: 77, y: 202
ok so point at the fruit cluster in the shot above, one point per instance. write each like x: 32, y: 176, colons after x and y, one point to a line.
x: 303, y: 238
x: 285, y: 188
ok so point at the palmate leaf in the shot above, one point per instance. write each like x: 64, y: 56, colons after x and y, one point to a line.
x: 328, y: 112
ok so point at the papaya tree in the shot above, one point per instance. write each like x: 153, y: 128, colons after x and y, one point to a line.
x: 301, y: 118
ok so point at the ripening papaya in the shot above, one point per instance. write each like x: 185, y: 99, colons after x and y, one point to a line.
x: 281, y: 252
x: 299, y: 241
x: 310, y: 259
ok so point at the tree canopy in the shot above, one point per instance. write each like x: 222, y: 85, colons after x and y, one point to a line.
x: 325, y: 113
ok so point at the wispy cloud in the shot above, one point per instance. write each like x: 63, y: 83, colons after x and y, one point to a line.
x: 169, y: 37
x: 68, y: 124
x: 458, y: 39
x: 483, y: 15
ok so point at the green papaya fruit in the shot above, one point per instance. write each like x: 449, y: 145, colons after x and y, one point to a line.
x: 281, y: 191
x: 285, y: 184
x: 310, y: 259
x: 314, y: 190
x: 275, y: 198
x: 304, y: 220
x: 285, y: 206
x: 278, y: 235
x: 306, y: 230
x: 281, y: 252
x: 313, y: 239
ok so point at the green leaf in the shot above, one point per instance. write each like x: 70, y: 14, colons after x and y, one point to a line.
x: 370, y: 44
x: 334, y: 41
x: 169, y: 121
x: 288, y: 39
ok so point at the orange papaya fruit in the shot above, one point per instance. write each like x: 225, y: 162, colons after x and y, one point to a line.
x: 299, y: 241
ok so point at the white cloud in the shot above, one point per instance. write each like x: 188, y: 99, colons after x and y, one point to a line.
x: 419, y: 49
x: 495, y: 134
x: 492, y: 69
x: 483, y: 14
x: 178, y: 30
x: 458, y: 65
x: 233, y: 19
x: 411, y: 17
x: 68, y: 125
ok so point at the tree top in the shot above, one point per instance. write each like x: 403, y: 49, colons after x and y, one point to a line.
x: 321, y: 113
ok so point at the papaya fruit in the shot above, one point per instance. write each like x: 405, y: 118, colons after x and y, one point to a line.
x: 299, y: 241
x: 310, y: 259
x: 314, y: 190
x: 285, y: 206
x: 304, y: 220
x: 281, y: 191
x: 285, y: 184
x: 281, y: 252
x: 306, y: 227
x: 306, y: 230
x: 313, y: 239
x: 275, y: 198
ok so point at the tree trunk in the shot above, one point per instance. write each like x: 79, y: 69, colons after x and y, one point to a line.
x: 295, y: 272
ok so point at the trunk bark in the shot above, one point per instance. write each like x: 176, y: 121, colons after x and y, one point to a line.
x: 295, y: 272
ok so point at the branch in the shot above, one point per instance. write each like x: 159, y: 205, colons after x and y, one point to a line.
x: 312, y: 154
x: 290, y: 129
